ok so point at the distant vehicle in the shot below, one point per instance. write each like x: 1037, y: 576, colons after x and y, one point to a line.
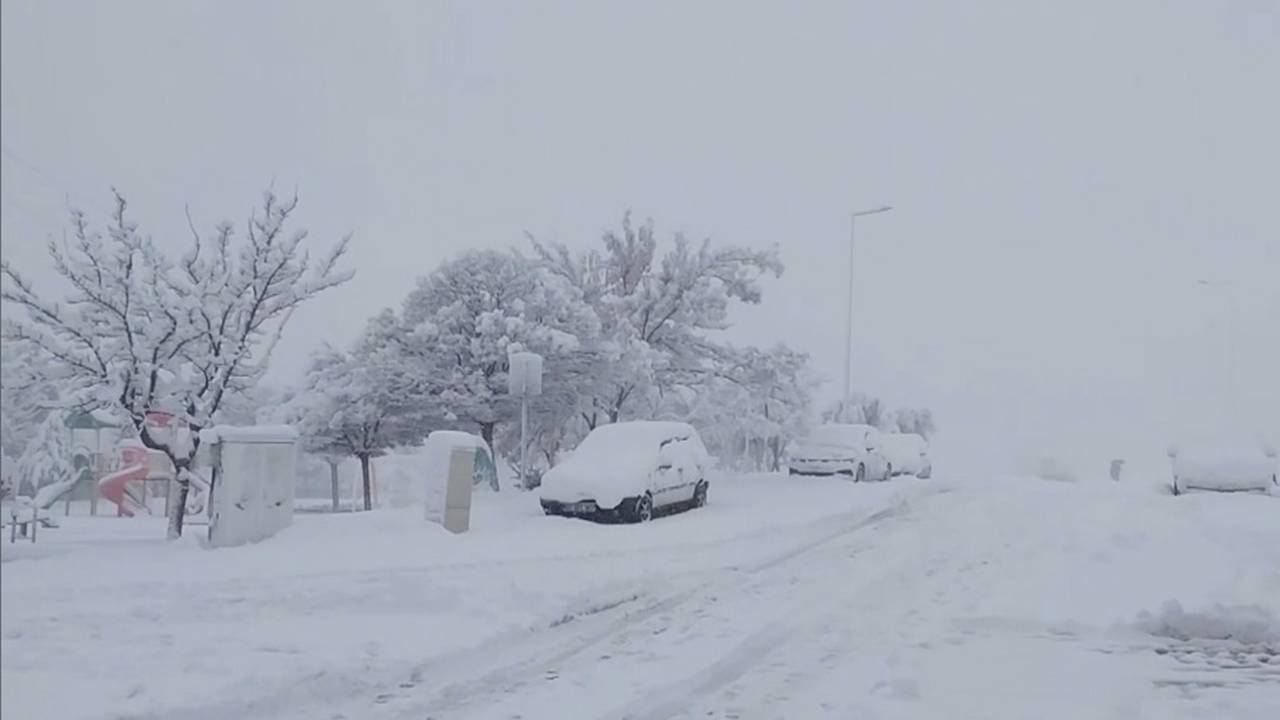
x: 629, y: 471
x: 853, y: 450
x: 908, y: 453
x: 1225, y: 465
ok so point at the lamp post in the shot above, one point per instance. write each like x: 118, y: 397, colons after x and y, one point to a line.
x: 524, y: 381
x: 848, y: 326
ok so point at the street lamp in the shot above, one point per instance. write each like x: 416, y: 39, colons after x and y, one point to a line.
x: 848, y: 326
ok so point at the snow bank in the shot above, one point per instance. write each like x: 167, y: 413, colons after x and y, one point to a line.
x: 1246, y: 624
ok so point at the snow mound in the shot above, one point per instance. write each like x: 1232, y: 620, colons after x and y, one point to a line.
x: 1246, y: 624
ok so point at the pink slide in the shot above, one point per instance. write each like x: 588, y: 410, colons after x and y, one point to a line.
x: 115, y: 486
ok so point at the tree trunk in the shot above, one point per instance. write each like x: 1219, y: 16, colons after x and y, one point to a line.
x: 333, y: 482
x: 368, y: 485
x: 180, y: 508
x: 487, y: 432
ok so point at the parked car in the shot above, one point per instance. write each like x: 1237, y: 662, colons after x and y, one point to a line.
x: 908, y: 453
x: 1235, y: 464
x: 630, y: 471
x: 853, y: 450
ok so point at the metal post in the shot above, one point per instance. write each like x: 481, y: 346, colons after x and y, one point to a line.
x: 848, y: 345
x: 524, y: 440
x: 1232, y: 343
x: 848, y: 325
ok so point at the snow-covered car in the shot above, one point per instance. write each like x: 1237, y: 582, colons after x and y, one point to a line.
x: 908, y: 453
x: 1236, y: 464
x: 840, y: 449
x: 629, y: 471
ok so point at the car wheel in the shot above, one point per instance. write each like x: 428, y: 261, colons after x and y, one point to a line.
x: 792, y: 471
x: 861, y: 475
x: 642, y: 509
x: 700, y: 494
x: 925, y: 475
x: 1174, y: 486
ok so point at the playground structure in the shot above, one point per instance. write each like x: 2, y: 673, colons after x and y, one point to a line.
x: 254, y: 470
x: 126, y: 486
x: 112, y: 466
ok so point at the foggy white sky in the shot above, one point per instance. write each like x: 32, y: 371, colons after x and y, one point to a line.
x: 1063, y: 173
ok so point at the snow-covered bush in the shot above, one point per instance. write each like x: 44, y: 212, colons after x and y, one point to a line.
x: 1248, y: 625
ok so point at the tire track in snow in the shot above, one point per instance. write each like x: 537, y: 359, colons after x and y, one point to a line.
x: 508, y: 678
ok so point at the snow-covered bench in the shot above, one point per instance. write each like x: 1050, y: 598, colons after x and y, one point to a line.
x: 25, y: 517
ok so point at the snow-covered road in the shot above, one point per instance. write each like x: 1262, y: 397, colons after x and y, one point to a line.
x: 784, y: 599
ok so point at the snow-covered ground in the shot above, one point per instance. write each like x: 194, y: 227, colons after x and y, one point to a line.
x: 784, y: 598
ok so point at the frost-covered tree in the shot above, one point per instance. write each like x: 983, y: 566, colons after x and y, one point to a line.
x: 26, y: 396
x: 750, y: 407
x: 779, y: 385
x: 463, y: 321
x: 359, y: 403
x: 657, y: 313
x: 914, y: 420
x: 138, y: 333
x: 49, y: 457
x: 860, y: 409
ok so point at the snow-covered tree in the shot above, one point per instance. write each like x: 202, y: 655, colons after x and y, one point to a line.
x: 360, y: 403
x: 656, y: 312
x: 465, y: 319
x: 49, y: 456
x: 860, y: 409
x: 26, y: 396
x: 750, y: 407
x: 779, y: 384
x: 137, y: 333
x: 914, y: 420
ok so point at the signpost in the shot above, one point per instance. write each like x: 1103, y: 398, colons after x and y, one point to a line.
x: 525, y: 381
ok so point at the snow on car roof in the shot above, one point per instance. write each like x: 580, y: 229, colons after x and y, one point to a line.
x: 616, y: 440
x: 638, y: 430
x: 842, y: 432
x: 1222, y: 443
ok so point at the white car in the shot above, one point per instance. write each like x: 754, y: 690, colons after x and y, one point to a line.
x: 629, y: 471
x: 840, y: 449
x: 908, y: 453
x: 1226, y: 465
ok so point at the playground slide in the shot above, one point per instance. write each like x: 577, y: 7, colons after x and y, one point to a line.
x: 115, y: 486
